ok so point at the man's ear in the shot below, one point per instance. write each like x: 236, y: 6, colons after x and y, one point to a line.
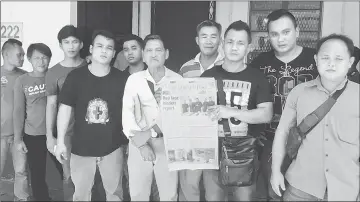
x: 91, y: 49
x: 197, y: 40
x: 297, y: 31
x: 315, y: 58
x: 166, y: 54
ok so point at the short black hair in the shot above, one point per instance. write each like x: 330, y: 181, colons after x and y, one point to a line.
x: 208, y: 23
x: 349, y: 43
x: 238, y: 26
x: 67, y: 31
x: 104, y: 33
x: 131, y: 37
x: 153, y: 37
x: 275, y: 15
x: 11, y: 42
x: 42, y: 48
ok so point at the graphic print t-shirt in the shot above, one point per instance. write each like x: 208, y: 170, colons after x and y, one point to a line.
x: 30, y: 91
x: 244, y: 90
x: 97, y: 103
x: 285, y: 76
x: 54, y: 80
x: 7, y: 99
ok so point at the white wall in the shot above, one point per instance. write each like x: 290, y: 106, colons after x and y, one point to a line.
x: 41, y: 23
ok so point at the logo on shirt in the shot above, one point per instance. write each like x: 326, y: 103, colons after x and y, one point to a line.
x: 97, y: 112
x: 34, y: 90
x: 4, y: 81
x: 237, y: 95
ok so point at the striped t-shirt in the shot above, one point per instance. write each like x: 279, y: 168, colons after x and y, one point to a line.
x: 193, y: 68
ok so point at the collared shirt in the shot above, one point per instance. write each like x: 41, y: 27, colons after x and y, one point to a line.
x: 140, y: 109
x: 329, y: 155
x: 193, y: 68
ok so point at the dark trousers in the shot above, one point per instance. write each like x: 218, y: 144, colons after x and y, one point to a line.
x: 265, y: 170
x: 36, y: 156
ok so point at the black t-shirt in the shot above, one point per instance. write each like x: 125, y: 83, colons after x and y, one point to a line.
x: 244, y: 90
x: 285, y: 76
x: 97, y: 104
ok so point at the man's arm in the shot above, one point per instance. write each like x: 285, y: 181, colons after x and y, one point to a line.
x: 262, y: 114
x: 131, y: 112
x: 19, y: 111
x: 63, y: 119
x: 51, y: 113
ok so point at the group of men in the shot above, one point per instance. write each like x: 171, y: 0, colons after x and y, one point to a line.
x: 93, y: 117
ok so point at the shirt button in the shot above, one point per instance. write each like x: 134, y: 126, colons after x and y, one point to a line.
x: 327, y: 170
x: 327, y: 125
x: 326, y: 139
x: 326, y: 155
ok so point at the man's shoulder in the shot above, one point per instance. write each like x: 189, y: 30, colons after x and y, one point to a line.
x: 263, y: 57
x: 22, y: 78
x: 309, y: 51
x: 21, y: 71
x: 190, y: 66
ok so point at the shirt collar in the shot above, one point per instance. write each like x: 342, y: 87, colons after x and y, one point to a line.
x: 218, y: 58
x: 317, y: 83
x: 150, y: 78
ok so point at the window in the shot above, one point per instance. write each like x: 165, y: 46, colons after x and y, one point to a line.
x: 307, y: 14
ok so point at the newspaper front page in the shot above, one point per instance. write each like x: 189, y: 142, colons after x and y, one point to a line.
x: 191, y: 139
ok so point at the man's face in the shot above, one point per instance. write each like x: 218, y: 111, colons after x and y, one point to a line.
x: 132, y: 52
x: 155, y: 54
x: 15, y: 55
x: 102, y: 50
x: 39, y: 62
x: 283, y: 34
x: 333, y: 60
x: 208, y: 40
x: 71, y: 46
x: 236, y: 45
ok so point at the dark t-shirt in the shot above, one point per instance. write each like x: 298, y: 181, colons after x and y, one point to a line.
x: 244, y: 90
x: 285, y: 76
x: 97, y: 103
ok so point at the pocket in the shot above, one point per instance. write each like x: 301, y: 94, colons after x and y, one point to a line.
x: 348, y: 131
x: 232, y: 174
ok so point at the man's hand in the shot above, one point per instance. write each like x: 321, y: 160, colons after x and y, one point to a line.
x: 140, y: 137
x: 147, y: 153
x: 221, y: 112
x: 61, y: 153
x: 21, y: 147
x: 277, y: 180
x: 157, y: 95
x: 50, y: 143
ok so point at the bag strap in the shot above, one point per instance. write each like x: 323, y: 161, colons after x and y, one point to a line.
x: 311, y: 120
x: 222, y: 101
x: 151, y: 86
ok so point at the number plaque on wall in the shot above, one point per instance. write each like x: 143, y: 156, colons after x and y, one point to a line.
x: 11, y: 30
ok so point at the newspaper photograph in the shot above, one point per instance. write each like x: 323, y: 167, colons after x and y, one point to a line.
x: 191, y: 139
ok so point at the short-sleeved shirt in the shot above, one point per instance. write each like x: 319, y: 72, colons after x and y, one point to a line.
x: 7, y: 99
x: 54, y: 80
x: 30, y: 91
x: 193, y: 67
x: 285, y: 76
x: 329, y: 155
x: 244, y: 90
x: 97, y: 105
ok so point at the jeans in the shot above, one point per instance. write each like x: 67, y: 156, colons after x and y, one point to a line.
x: 190, y: 185
x: 36, y: 156
x: 21, y: 185
x: 293, y: 194
x: 110, y: 168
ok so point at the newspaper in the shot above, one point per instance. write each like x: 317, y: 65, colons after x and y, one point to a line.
x: 191, y: 139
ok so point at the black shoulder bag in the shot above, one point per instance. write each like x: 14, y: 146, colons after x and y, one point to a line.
x: 298, y: 133
x: 238, y: 154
